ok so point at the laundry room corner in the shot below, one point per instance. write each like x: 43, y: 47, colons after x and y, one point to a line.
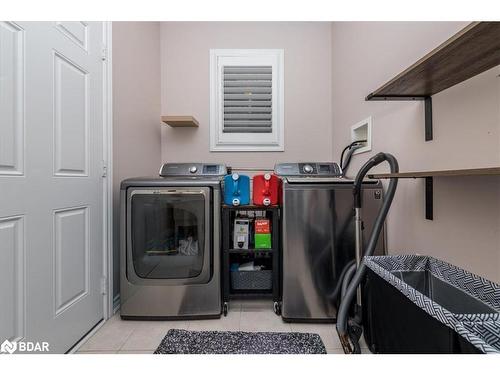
x: 465, y: 126
x: 136, y: 114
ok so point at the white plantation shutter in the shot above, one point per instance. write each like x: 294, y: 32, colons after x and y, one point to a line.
x: 247, y: 99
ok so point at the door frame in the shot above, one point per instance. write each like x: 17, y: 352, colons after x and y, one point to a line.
x: 107, y: 60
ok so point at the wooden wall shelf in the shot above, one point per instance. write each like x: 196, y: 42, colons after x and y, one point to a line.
x: 180, y: 121
x: 442, y: 173
x: 429, y: 181
x: 468, y: 53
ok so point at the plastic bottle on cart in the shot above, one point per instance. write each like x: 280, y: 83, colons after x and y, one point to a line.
x: 236, y: 190
x: 266, y: 189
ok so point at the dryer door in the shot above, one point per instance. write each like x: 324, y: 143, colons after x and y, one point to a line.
x: 168, y: 239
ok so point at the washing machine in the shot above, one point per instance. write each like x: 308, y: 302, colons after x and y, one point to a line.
x: 318, y: 236
x: 170, y: 243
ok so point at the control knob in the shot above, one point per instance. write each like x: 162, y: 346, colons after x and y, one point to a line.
x: 193, y: 169
x: 308, y: 169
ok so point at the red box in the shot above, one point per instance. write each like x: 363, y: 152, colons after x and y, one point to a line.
x: 262, y: 226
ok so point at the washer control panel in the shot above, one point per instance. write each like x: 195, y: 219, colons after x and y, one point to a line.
x: 312, y: 169
x: 192, y: 169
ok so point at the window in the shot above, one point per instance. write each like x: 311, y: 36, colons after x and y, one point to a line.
x: 246, y: 100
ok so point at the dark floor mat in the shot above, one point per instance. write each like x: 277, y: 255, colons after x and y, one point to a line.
x: 179, y: 341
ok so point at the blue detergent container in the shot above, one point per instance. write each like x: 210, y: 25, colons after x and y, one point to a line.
x: 236, y: 190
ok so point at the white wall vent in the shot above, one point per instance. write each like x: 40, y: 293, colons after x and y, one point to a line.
x: 246, y: 100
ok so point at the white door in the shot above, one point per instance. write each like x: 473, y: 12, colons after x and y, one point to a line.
x: 51, y: 188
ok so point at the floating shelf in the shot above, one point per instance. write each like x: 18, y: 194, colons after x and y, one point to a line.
x: 180, y: 121
x: 468, y: 53
x: 429, y: 181
x: 443, y: 173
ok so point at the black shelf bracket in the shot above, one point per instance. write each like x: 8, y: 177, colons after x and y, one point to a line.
x: 427, y: 108
x: 428, y: 118
x: 429, y: 198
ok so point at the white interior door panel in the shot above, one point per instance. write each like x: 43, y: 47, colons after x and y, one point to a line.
x: 51, y: 201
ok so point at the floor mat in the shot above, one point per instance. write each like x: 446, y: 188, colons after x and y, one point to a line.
x: 179, y: 341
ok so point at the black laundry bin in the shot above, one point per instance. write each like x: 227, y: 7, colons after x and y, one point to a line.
x: 417, y: 304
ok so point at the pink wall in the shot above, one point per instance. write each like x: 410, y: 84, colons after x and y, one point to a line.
x: 136, y: 109
x: 466, y: 226
x: 185, y: 86
x: 329, y: 69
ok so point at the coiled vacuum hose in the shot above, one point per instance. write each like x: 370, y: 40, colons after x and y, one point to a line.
x: 349, y: 343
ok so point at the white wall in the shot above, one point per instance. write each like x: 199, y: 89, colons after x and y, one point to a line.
x: 136, y: 110
x: 466, y: 226
x: 185, y: 87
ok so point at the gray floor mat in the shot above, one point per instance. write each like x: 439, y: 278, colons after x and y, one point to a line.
x: 179, y: 341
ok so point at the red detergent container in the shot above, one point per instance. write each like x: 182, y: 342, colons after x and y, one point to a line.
x: 266, y: 188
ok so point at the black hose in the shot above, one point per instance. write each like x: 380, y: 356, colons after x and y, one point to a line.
x: 342, y: 154
x: 350, y: 147
x: 342, y: 316
x: 347, y: 279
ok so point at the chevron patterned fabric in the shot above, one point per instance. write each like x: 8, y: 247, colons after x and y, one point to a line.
x: 481, y: 330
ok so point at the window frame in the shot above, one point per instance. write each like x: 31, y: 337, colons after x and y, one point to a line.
x: 235, y: 142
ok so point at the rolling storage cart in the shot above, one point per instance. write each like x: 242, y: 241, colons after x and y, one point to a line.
x: 239, y: 253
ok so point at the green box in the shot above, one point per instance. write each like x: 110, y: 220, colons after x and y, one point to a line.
x: 262, y: 241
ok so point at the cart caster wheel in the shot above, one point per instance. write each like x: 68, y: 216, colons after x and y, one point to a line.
x: 277, y: 308
x: 224, y: 309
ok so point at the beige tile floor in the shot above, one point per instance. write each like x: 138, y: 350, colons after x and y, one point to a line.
x: 143, y: 337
